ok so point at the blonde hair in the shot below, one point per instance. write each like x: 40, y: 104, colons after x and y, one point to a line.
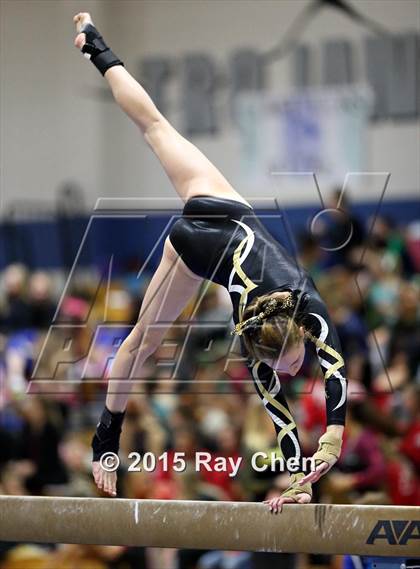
x: 268, y: 327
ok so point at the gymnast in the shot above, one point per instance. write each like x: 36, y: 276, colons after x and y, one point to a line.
x: 276, y: 306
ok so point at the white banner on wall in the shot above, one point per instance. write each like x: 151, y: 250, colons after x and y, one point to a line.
x: 322, y: 130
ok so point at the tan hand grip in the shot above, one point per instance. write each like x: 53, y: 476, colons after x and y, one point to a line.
x: 329, y: 449
x: 294, y: 489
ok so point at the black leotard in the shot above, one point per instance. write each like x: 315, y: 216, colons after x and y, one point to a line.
x: 224, y: 241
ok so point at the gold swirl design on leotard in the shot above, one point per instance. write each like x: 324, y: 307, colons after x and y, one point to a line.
x: 331, y: 368
x: 281, y: 416
x: 240, y: 254
x: 329, y: 350
x: 249, y: 284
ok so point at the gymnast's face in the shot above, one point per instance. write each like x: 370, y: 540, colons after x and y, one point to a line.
x: 291, y: 361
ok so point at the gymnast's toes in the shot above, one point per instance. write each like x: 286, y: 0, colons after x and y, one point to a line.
x: 81, y: 19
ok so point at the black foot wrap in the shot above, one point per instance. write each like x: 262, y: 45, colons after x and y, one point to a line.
x: 97, y: 50
x: 107, y: 436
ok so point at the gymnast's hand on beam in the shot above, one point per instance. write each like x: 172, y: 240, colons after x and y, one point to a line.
x: 291, y: 492
x: 276, y: 503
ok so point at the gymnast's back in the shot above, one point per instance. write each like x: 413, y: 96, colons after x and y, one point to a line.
x: 223, y: 240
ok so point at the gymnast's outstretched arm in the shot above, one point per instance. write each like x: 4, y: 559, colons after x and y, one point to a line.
x: 189, y: 170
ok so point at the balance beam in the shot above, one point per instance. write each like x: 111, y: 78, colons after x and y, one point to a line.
x: 309, y: 528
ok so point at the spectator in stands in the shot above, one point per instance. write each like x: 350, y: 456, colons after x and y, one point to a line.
x: 405, y: 332
x: 15, y: 313
x: 310, y: 254
x: 40, y: 438
x: 361, y: 467
x: 41, y: 304
x: 390, y: 241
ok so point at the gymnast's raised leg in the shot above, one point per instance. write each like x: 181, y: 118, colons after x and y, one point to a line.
x: 190, y: 172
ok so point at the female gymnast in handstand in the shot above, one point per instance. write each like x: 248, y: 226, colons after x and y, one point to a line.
x: 276, y: 307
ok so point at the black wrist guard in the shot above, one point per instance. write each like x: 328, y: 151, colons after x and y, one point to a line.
x: 97, y: 51
x: 107, y: 436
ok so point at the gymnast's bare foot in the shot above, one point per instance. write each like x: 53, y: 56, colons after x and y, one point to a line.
x: 81, y: 19
x: 105, y: 481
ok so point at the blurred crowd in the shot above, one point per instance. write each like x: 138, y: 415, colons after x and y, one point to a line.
x: 371, y: 285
